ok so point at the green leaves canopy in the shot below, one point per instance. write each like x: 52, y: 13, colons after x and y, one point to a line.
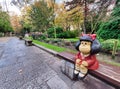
x: 5, y: 25
x: 111, y: 28
x: 40, y: 15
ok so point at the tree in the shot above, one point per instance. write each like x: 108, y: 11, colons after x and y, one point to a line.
x: 21, y: 3
x: 15, y: 22
x: 75, y: 17
x: 111, y: 28
x: 94, y: 12
x: 40, y: 15
x: 25, y: 19
x: 67, y: 18
x: 116, y: 10
x: 5, y: 25
x: 98, y: 14
x: 75, y: 3
x: 61, y: 18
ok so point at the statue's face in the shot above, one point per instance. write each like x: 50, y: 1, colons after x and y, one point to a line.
x: 85, y: 47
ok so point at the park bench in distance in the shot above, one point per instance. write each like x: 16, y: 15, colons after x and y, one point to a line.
x: 28, y: 42
x: 103, y: 73
x: 20, y: 37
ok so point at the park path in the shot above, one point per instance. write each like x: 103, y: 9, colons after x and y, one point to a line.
x: 28, y: 67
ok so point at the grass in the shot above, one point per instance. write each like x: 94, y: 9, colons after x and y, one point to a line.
x: 68, y: 39
x: 73, y: 39
x: 109, y: 43
x: 50, y: 46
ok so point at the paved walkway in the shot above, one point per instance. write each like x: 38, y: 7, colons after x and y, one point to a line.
x: 28, y: 67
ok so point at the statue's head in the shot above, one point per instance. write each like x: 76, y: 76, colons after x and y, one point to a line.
x: 88, y: 44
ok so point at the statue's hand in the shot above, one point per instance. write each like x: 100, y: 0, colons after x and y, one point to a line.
x: 83, y: 69
x: 78, y: 61
x: 84, y: 63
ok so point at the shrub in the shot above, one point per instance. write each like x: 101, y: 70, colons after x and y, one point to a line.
x: 51, y: 32
x: 110, y: 30
x: 71, y: 34
x: 60, y: 33
x: 116, y: 10
x: 1, y: 34
x: 42, y: 37
x: 108, y: 44
x: 77, y: 32
x: 67, y: 34
x: 59, y: 30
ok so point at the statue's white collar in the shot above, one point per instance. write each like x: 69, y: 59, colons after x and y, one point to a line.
x: 83, y: 56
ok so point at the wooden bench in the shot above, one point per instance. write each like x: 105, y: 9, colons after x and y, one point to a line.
x: 28, y: 42
x: 104, y: 73
x: 20, y: 37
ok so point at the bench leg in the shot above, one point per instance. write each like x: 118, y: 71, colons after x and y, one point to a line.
x: 25, y: 43
x: 67, y: 68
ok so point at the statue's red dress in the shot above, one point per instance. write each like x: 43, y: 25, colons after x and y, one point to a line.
x: 90, y: 59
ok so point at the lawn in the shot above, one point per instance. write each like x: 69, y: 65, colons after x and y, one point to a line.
x: 52, y: 47
x: 72, y: 39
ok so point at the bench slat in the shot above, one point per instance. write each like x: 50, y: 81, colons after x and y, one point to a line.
x: 67, y: 56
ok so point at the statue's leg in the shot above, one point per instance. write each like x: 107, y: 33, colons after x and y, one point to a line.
x: 83, y: 72
x: 76, y: 71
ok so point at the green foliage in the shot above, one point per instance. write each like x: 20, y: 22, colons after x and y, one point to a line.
x: 1, y: 34
x: 93, y: 26
x: 68, y: 34
x: 73, y: 39
x: 110, y: 29
x: 29, y: 38
x: 108, y: 44
x: 60, y: 33
x: 116, y: 10
x: 51, y: 32
x: 40, y: 15
x: 5, y: 25
x: 42, y: 37
x: 88, y: 27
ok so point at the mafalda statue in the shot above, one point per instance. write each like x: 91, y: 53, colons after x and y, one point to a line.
x: 86, y: 60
